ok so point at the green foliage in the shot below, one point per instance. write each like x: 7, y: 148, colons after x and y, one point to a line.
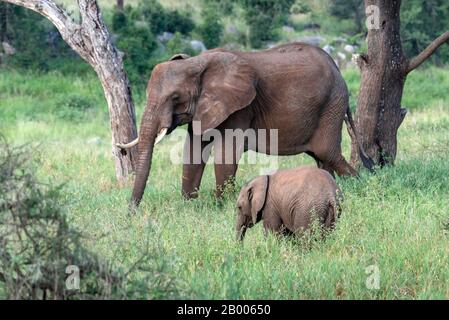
x: 211, y: 29
x: 352, y: 10
x: 75, y: 108
x: 40, y: 252
x: 178, y: 44
x: 422, y: 22
x: 263, y: 17
x: 137, y: 42
x: 300, y: 7
x: 224, y: 7
x: 161, y: 19
x: 36, y: 41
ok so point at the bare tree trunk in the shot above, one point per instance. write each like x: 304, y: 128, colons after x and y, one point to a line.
x: 3, y: 22
x: 384, y: 71
x: 91, y: 40
x: 120, y: 4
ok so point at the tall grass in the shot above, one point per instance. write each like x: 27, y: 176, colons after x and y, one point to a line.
x: 396, y: 219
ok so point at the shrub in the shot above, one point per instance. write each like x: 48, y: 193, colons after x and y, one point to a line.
x: 263, y: 17
x: 300, y: 7
x: 352, y: 10
x: 211, y: 29
x: 179, y: 45
x: 224, y: 7
x: 43, y: 257
x: 422, y: 22
x: 136, y: 41
x: 178, y: 22
x: 36, y: 41
x: 160, y: 19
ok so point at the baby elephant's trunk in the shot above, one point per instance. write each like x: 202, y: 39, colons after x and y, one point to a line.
x: 241, y: 233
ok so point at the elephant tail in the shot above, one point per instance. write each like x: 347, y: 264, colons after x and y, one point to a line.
x: 366, y: 159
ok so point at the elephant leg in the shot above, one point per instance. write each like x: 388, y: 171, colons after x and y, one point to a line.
x: 226, y: 164
x: 272, y: 223
x: 228, y: 153
x: 321, y: 164
x: 342, y: 167
x: 193, y: 167
x: 338, y: 165
x: 225, y: 178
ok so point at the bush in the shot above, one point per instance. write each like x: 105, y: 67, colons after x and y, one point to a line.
x: 137, y: 42
x: 211, y: 29
x: 352, y: 10
x: 43, y: 257
x: 160, y: 19
x: 263, y: 17
x: 422, y: 22
x: 178, y: 45
x: 300, y: 7
x: 36, y: 41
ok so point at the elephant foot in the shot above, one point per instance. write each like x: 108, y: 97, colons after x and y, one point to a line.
x: 190, y: 195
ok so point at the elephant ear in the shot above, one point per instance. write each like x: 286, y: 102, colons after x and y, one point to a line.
x: 179, y: 56
x: 228, y: 84
x: 257, y: 195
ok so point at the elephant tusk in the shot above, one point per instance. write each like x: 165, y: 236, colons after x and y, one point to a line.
x: 161, y: 135
x: 128, y: 145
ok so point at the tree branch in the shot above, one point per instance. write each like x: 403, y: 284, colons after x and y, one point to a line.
x: 69, y: 30
x: 424, y: 55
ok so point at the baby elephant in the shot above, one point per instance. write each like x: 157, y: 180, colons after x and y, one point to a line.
x: 288, y: 201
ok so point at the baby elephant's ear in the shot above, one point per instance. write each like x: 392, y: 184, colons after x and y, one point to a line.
x: 257, y: 197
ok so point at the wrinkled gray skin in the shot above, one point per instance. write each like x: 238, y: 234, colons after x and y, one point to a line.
x: 288, y: 201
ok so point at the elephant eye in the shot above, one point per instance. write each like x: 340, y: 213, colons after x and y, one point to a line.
x: 175, y: 96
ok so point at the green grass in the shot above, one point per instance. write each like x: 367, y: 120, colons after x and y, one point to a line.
x: 396, y: 219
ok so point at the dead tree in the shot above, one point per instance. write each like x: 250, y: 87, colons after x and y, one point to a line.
x: 384, y: 71
x: 91, y: 40
x: 120, y: 4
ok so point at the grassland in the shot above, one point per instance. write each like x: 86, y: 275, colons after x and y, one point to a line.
x: 396, y: 220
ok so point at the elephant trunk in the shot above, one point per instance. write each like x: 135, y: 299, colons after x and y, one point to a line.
x: 147, y: 137
x: 241, y: 227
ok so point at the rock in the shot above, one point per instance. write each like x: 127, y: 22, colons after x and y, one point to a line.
x: 8, y: 49
x: 349, y: 48
x: 198, y: 45
x: 328, y: 48
x: 165, y: 37
x: 313, y: 40
x: 341, y: 55
x: 340, y: 40
x: 232, y: 29
x: 288, y: 29
x: 95, y: 141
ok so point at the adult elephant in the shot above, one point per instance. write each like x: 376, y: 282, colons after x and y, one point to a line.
x: 295, y: 88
